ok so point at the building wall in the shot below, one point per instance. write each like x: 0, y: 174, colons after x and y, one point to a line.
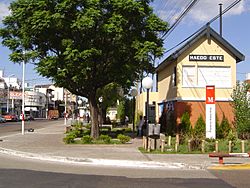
x: 196, y: 109
x: 204, y: 47
x: 166, y: 88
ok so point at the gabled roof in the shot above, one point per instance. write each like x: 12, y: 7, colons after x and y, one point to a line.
x: 208, y: 32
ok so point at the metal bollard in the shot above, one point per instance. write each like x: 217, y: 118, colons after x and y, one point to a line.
x: 189, y: 145
x: 162, y: 145
x: 242, y: 146
x: 216, y: 146
x: 203, y: 146
x: 169, y: 141
x: 230, y: 146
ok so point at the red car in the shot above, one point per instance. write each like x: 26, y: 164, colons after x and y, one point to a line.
x: 10, y: 117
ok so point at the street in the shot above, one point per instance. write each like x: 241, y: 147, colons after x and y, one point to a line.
x: 16, y: 127
x: 25, y: 172
x: 32, y: 174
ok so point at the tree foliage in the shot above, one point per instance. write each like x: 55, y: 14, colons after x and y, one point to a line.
x: 241, y: 105
x: 84, y: 45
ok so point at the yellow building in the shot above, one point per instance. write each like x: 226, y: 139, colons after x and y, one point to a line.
x: 206, y: 59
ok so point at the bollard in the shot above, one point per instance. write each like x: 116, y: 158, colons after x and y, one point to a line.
x: 149, y: 144
x: 177, y: 139
x: 162, y: 145
x: 169, y: 141
x: 189, y: 145
x: 143, y: 142
x: 242, y: 146
x: 176, y: 146
x: 216, y: 146
x: 230, y: 146
x: 203, y: 146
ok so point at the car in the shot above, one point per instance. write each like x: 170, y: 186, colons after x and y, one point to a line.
x: 2, y: 119
x: 10, y: 117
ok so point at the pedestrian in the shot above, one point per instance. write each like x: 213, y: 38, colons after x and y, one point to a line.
x: 139, y: 126
x: 144, y: 127
x: 126, y: 120
x: 87, y: 118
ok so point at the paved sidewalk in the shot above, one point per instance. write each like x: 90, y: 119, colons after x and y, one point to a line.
x: 47, y: 144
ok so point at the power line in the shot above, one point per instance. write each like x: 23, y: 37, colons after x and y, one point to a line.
x: 184, y: 12
x: 208, y: 23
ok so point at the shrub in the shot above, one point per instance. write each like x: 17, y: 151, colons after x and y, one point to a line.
x: 87, y: 139
x: 185, y: 126
x: 195, y: 143
x: 225, y: 127
x: 232, y: 137
x: 210, y: 145
x: 69, y: 138
x: 123, y: 138
x: 200, y: 127
x: 105, y: 138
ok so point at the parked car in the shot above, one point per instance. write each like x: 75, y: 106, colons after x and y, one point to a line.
x: 10, y: 117
x: 2, y: 119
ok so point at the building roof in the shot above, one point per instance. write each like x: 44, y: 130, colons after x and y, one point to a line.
x: 204, y: 31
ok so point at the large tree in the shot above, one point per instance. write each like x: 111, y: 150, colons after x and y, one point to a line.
x: 84, y: 45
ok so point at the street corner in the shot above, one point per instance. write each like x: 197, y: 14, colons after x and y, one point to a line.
x: 245, y: 166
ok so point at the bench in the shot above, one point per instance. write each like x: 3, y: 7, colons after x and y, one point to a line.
x: 222, y: 155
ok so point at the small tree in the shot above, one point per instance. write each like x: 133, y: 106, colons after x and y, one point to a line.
x: 200, y: 127
x: 241, y: 105
x: 185, y: 126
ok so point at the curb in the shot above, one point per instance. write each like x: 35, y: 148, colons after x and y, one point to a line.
x: 99, y: 162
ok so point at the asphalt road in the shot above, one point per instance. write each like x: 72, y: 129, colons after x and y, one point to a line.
x: 17, y: 172
x: 16, y: 127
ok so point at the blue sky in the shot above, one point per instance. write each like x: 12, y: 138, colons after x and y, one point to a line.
x: 236, y: 29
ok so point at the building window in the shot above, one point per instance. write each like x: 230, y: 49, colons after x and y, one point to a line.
x: 221, y: 77
x: 188, y: 76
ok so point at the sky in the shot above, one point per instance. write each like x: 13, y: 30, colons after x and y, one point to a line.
x: 236, y: 29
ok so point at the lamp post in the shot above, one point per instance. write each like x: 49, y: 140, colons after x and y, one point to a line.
x: 8, y: 98
x: 24, y: 62
x: 133, y: 94
x: 147, y: 83
x: 101, y: 100
x: 65, y: 105
x: 79, y: 102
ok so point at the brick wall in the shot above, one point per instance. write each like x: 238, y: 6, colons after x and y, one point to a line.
x: 196, y: 109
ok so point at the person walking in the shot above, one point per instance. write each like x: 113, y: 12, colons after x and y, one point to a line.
x: 139, y: 127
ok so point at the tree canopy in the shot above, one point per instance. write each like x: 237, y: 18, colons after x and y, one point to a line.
x: 83, y: 45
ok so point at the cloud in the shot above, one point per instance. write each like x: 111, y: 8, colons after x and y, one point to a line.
x: 203, y: 11
x: 4, y: 10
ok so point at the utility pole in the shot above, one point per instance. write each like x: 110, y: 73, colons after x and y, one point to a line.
x: 220, y: 19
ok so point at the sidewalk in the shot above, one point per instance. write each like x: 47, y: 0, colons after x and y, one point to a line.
x: 47, y: 144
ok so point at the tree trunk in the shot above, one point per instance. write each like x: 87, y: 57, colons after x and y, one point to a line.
x: 94, y: 117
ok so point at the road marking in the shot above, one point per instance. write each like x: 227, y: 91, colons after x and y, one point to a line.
x: 230, y: 167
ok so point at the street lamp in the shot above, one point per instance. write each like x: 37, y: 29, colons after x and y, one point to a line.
x: 101, y: 119
x: 133, y: 94
x: 147, y: 83
x: 79, y: 102
x: 24, y: 62
x: 7, y: 109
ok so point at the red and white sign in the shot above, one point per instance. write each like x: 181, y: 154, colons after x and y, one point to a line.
x: 210, y: 112
x: 15, y: 95
x: 210, y: 94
